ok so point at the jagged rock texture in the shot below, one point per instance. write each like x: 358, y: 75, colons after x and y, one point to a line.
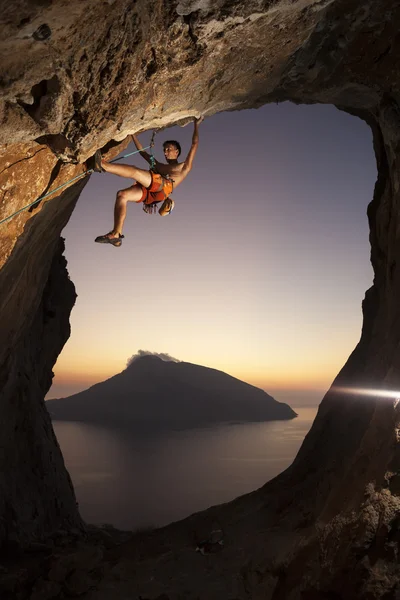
x: 329, y: 525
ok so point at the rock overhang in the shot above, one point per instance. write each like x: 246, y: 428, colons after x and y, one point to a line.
x: 152, y: 64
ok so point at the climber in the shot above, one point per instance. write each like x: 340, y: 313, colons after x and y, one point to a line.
x: 151, y: 186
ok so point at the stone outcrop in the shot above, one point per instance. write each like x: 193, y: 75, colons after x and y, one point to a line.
x: 79, y: 76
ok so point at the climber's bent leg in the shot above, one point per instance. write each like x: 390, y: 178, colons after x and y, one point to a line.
x: 132, y: 194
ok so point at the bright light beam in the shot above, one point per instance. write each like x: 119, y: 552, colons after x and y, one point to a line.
x: 367, y: 392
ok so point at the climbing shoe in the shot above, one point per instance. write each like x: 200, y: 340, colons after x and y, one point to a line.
x: 106, y: 239
x: 94, y: 162
x: 97, y: 162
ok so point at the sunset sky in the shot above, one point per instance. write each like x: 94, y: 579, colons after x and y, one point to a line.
x: 259, y: 271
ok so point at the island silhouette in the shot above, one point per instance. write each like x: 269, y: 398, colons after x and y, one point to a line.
x: 152, y: 393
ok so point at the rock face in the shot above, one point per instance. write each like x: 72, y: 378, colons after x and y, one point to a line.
x: 153, y: 394
x: 74, y: 77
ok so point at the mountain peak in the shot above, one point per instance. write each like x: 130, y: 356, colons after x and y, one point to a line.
x: 159, y: 393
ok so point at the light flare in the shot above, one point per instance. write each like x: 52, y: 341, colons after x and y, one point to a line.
x: 377, y: 393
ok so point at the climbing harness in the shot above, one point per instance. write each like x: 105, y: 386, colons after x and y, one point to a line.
x: 151, y: 209
x: 60, y: 187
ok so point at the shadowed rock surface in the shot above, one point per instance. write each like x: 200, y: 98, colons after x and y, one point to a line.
x: 157, y: 394
x: 79, y: 76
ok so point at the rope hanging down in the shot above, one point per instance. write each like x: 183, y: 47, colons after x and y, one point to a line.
x: 68, y: 182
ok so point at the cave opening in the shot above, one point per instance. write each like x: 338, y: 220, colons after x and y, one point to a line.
x: 259, y: 271
x: 243, y: 273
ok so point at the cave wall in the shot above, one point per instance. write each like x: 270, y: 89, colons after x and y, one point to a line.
x: 36, y: 494
x: 153, y: 64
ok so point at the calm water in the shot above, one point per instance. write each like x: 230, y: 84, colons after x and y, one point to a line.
x: 134, y: 481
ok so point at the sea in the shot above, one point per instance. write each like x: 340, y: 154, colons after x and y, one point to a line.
x: 137, y: 480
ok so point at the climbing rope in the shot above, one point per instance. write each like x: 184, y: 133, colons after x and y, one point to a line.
x: 74, y: 179
x: 152, y: 159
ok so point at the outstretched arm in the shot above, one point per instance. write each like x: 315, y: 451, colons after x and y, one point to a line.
x: 143, y: 153
x: 194, y: 146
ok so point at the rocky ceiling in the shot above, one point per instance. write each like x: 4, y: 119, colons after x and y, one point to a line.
x: 77, y: 75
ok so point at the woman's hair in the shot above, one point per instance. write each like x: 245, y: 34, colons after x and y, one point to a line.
x: 175, y: 143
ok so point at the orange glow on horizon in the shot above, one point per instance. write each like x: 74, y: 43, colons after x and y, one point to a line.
x: 298, y: 381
